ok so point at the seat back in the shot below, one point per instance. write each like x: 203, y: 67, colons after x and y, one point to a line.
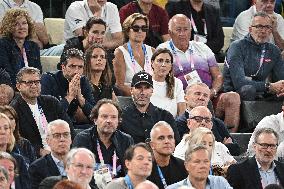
x: 227, y: 39
x: 49, y: 63
x: 55, y: 30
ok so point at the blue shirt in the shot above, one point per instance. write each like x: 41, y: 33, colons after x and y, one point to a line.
x: 213, y: 182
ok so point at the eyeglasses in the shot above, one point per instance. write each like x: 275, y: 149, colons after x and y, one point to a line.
x: 58, y: 135
x: 31, y: 82
x: 266, y: 146
x: 164, y: 61
x: 137, y: 28
x: 261, y: 27
x: 199, y: 119
x: 81, y: 166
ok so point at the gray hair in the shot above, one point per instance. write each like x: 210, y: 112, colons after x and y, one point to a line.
x: 159, y: 124
x: 171, y: 21
x: 28, y: 71
x: 71, y: 154
x: 193, y: 148
x: 260, y: 131
x: 55, y: 123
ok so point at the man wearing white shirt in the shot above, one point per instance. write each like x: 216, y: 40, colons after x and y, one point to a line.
x: 275, y: 122
x: 244, y: 20
x: 79, y: 13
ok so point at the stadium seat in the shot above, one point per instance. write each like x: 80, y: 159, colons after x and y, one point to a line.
x: 55, y: 30
x: 227, y: 40
x: 49, y: 63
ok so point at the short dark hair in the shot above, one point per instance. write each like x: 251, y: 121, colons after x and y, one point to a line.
x: 72, y: 53
x: 129, y: 153
x: 27, y: 70
x: 95, y: 111
x: 92, y: 21
x: 273, y: 186
x: 258, y: 132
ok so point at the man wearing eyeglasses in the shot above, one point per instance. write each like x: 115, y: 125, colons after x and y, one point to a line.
x: 254, y: 68
x: 59, y: 141
x: 261, y: 170
x: 79, y: 167
x: 244, y: 20
x: 199, y: 95
x: 35, y: 111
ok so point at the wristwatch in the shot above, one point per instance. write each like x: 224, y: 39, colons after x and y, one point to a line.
x: 267, y: 86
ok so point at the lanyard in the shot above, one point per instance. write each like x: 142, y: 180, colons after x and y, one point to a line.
x: 260, y: 61
x: 190, y: 60
x: 146, y: 60
x: 42, y: 120
x: 25, y: 57
x: 195, y: 28
x: 102, y: 159
x: 128, y: 182
x: 162, y: 177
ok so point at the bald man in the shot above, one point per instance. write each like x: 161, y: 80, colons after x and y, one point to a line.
x: 166, y: 169
x: 146, y: 185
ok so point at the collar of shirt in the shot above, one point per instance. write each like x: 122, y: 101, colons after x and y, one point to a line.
x: 13, y: 4
x: 188, y: 183
x: 272, y: 167
x: 54, y: 159
x: 89, y: 12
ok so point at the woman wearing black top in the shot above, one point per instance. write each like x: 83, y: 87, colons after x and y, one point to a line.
x: 98, y: 71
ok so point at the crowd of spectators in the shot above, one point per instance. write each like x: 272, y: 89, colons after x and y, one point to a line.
x: 67, y: 128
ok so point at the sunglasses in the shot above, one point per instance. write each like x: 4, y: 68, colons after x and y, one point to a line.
x: 136, y: 28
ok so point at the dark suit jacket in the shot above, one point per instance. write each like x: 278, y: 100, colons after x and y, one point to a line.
x: 245, y: 175
x: 49, y: 182
x: 42, y: 168
x: 27, y: 124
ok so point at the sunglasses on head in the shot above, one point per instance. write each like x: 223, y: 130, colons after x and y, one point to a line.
x: 136, y: 28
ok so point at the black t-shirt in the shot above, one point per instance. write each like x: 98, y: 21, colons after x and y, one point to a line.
x: 173, y: 173
x: 108, y: 157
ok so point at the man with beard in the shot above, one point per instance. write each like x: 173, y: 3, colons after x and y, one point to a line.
x: 167, y: 169
x: 138, y: 161
x: 244, y: 20
x: 103, y: 139
x: 260, y: 170
x: 197, y: 164
x: 59, y: 141
x: 35, y: 110
x: 70, y: 87
x: 139, y: 116
x: 254, y: 67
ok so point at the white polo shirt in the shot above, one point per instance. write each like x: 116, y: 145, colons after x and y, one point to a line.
x: 33, y: 9
x: 78, y: 13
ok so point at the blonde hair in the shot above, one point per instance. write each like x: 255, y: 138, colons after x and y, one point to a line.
x: 8, y: 23
x: 11, y: 141
x: 196, y: 136
x: 128, y: 23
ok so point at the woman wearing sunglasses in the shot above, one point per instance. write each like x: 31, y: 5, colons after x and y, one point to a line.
x: 134, y: 55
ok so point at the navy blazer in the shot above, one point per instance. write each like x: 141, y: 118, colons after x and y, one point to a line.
x: 246, y: 175
x: 22, y: 181
x: 11, y: 57
x: 27, y: 124
x: 42, y: 168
